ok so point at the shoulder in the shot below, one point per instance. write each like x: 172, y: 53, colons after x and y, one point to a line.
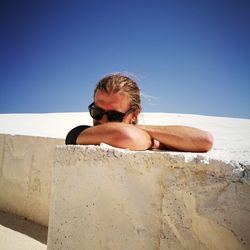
x: 73, y: 134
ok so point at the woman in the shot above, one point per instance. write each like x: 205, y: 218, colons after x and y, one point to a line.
x: 115, y: 113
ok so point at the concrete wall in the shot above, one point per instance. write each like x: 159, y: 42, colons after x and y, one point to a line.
x: 107, y: 198
x: 25, y: 175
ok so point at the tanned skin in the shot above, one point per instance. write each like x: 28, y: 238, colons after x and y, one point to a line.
x: 140, y: 137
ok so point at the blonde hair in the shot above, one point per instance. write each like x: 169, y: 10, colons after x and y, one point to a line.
x: 118, y: 82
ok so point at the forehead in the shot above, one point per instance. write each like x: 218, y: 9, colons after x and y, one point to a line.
x: 113, y: 100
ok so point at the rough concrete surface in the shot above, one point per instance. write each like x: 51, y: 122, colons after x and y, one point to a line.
x: 25, y: 175
x: 108, y: 198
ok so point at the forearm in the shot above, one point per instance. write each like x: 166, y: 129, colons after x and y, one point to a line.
x: 116, y: 134
x: 96, y: 135
x: 180, y: 138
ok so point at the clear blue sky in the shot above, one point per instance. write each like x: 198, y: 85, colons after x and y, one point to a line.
x: 189, y: 56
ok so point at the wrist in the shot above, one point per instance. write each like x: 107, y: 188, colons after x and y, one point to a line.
x: 155, y: 144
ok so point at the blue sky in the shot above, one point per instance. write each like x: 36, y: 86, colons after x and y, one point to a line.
x: 188, y: 56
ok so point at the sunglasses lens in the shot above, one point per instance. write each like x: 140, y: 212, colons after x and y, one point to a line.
x: 112, y: 115
x: 96, y: 113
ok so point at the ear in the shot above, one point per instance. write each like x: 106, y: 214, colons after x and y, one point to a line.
x: 135, y: 116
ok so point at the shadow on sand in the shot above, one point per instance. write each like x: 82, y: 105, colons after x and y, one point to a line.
x: 24, y: 226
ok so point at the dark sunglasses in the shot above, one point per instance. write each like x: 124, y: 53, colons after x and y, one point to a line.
x: 112, y: 115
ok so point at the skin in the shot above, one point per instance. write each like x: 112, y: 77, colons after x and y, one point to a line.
x: 140, y: 137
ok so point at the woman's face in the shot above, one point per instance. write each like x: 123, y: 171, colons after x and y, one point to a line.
x: 114, y: 101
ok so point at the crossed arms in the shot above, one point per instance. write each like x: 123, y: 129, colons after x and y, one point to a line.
x: 141, y: 137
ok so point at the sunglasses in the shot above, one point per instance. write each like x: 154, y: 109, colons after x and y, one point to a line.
x: 112, y: 115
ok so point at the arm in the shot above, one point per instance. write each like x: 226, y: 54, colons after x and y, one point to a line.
x: 179, y: 138
x: 116, y: 134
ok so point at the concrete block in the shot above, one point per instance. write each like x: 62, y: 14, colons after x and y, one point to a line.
x: 108, y: 198
x: 25, y: 175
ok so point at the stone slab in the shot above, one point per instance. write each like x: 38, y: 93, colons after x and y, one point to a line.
x: 108, y: 198
x: 25, y: 175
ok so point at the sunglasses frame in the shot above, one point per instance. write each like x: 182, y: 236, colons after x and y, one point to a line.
x: 108, y: 113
